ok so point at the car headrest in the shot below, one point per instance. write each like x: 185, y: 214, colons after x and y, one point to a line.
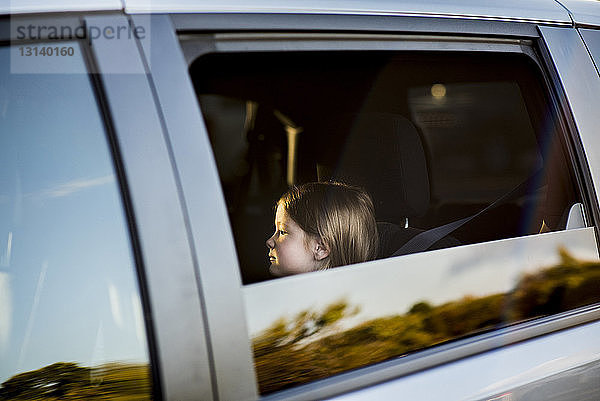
x: 383, y: 153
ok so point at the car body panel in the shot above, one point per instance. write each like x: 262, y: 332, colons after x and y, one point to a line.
x: 167, y: 257
x: 592, y: 40
x: 501, y: 373
x: 206, y: 214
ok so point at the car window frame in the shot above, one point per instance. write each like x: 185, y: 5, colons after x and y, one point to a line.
x: 180, y: 354
x: 205, y: 216
x: 519, y: 35
x: 571, y: 98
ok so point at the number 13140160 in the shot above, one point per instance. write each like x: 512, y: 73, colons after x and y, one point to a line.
x: 46, y: 51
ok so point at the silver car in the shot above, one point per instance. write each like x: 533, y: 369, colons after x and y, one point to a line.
x: 144, y: 146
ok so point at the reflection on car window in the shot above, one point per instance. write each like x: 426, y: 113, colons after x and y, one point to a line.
x: 71, y: 320
x: 340, y: 320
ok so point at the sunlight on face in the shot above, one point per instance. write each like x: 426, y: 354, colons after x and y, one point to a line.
x: 290, y: 251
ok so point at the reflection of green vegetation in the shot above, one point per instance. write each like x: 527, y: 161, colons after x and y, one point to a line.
x: 68, y: 381
x: 570, y: 284
x: 314, y: 345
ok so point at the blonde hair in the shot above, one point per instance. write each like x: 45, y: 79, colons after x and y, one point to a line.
x: 341, y: 216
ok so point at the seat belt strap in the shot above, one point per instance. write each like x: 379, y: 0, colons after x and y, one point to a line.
x: 422, y: 241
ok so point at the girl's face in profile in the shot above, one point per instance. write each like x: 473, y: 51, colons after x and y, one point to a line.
x: 291, y: 249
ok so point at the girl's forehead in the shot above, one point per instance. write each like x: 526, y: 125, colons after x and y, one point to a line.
x: 282, y: 217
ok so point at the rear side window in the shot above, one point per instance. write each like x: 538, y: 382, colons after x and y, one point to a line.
x: 434, y: 138
x: 71, y: 319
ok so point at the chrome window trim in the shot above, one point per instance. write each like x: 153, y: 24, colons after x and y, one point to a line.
x: 168, y: 264
x: 260, y: 42
x: 206, y: 215
x: 237, y: 22
x: 195, y: 46
x: 537, y: 11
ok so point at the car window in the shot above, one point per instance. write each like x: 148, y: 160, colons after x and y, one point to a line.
x: 435, y: 138
x: 71, y: 318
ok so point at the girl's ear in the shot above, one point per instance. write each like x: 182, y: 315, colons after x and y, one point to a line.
x: 321, y: 251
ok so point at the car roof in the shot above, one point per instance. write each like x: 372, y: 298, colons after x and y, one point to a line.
x: 44, y: 6
x: 582, y: 12
x: 519, y: 10
x: 542, y: 10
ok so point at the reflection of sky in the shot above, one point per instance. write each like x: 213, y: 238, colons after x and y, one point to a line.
x: 392, y: 286
x: 67, y: 284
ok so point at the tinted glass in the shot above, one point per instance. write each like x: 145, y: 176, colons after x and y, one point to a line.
x: 71, y: 319
x: 433, y: 138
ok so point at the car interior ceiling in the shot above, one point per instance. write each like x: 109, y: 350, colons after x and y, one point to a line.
x: 329, y: 107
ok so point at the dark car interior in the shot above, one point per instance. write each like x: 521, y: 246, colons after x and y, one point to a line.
x: 434, y: 138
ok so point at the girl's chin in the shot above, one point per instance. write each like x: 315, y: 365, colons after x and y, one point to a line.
x: 279, y: 271
x: 275, y: 270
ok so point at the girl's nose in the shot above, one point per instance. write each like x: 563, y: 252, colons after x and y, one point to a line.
x: 271, y: 242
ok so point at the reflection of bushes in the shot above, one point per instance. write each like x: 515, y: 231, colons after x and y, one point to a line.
x: 68, y: 381
x: 570, y: 284
x: 314, y: 345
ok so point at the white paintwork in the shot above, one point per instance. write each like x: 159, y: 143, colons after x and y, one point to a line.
x: 513, y: 10
x: 584, y: 12
x: 43, y: 6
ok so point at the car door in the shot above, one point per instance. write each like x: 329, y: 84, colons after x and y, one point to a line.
x: 507, y: 309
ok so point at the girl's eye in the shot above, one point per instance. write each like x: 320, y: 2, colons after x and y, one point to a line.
x: 282, y: 232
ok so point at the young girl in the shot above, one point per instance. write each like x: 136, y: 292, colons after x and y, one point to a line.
x: 321, y: 225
